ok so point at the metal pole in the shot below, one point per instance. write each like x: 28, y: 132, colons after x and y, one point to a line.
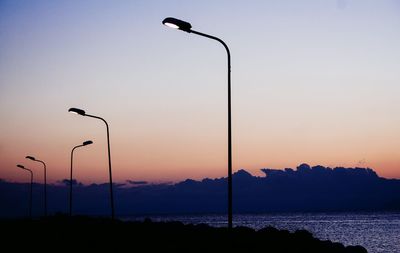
x: 45, y: 188
x: 110, y: 174
x: 70, y: 183
x: 70, y: 180
x: 109, y: 165
x: 229, y: 125
x: 30, y: 195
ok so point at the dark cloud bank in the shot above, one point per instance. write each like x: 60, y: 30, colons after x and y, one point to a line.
x: 310, y: 189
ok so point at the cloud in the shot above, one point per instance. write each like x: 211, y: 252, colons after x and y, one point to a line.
x: 66, y: 182
x: 137, y: 182
x: 305, y: 188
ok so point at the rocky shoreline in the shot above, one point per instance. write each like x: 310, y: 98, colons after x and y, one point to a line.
x: 83, y: 232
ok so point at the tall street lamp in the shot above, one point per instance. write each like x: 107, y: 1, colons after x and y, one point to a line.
x: 45, y: 182
x: 187, y: 27
x: 83, y: 113
x: 30, y: 194
x: 70, y: 175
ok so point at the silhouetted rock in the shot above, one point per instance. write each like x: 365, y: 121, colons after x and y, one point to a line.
x: 356, y: 249
x: 79, y: 232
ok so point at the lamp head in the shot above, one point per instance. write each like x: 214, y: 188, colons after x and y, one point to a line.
x: 30, y: 158
x: 20, y: 166
x: 87, y: 143
x: 177, y: 24
x: 77, y: 111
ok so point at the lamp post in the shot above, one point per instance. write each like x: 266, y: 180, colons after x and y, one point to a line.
x: 83, y: 113
x: 187, y: 27
x: 30, y: 194
x: 70, y: 175
x: 45, y: 182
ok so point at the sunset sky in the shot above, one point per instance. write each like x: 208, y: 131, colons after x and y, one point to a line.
x: 313, y: 81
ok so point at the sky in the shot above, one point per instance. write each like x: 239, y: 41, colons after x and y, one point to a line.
x: 314, y: 82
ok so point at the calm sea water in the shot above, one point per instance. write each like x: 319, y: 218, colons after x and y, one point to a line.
x: 377, y: 232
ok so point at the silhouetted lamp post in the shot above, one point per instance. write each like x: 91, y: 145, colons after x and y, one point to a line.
x: 45, y: 182
x: 70, y: 177
x: 83, y: 113
x: 30, y: 193
x: 187, y: 27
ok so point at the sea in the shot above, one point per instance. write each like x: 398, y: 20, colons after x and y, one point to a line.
x: 376, y: 231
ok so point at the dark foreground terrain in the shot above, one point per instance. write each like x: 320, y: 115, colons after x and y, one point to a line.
x: 98, y: 234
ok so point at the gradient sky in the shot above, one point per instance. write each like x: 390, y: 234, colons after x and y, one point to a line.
x: 313, y: 81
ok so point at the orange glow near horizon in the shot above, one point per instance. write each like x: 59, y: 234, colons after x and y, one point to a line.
x: 155, y: 160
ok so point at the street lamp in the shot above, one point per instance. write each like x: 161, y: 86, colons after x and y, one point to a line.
x: 70, y: 177
x: 45, y: 182
x: 30, y: 194
x: 83, y: 113
x: 187, y: 27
